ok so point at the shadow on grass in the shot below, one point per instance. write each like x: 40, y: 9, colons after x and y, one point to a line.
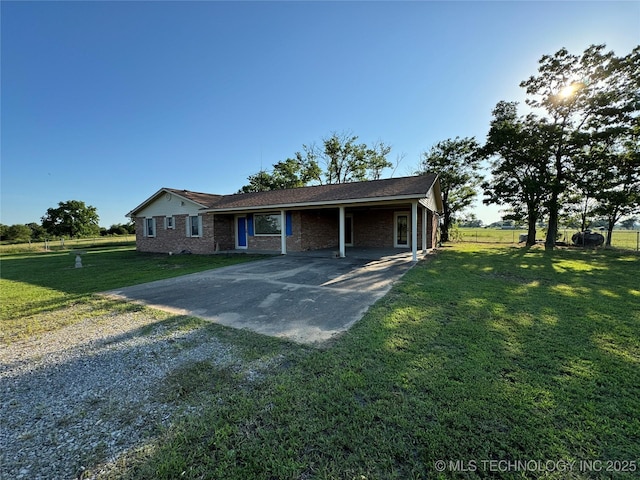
x: 498, y: 354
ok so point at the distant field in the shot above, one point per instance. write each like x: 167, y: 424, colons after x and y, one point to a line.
x: 58, y: 245
x: 624, y: 239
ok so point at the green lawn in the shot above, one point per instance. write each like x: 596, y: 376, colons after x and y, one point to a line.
x: 36, y: 287
x: 480, y: 356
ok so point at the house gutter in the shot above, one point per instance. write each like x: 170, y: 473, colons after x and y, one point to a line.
x: 337, y: 203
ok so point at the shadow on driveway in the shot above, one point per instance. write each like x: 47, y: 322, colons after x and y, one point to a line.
x: 306, y: 299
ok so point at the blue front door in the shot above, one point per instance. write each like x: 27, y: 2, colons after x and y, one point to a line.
x: 241, y: 237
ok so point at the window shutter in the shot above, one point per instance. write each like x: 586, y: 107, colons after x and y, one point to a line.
x: 250, y: 224
x: 289, y: 224
x: 199, y: 226
x: 144, y: 226
x: 187, y: 224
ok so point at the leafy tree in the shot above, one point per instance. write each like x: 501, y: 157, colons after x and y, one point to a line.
x: 290, y: 173
x: 16, y: 233
x: 37, y: 231
x: 520, y: 177
x: 618, y: 194
x: 470, y: 221
x: 629, y: 223
x: 344, y: 160
x: 581, y: 98
x: 457, y: 164
x: 347, y: 161
x: 71, y: 219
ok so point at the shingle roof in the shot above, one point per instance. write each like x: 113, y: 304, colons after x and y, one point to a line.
x: 402, y: 187
x: 415, y: 187
x: 204, y: 199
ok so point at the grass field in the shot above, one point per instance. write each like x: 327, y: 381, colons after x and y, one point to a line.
x: 33, y: 284
x: 482, y: 355
x: 67, y: 245
x: 622, y: 239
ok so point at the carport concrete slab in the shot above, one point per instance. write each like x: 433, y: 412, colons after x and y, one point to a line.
x: 304, y: 299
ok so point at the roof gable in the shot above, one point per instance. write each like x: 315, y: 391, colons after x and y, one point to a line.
x: 200, y: 200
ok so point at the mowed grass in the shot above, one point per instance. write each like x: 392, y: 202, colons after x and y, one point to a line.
x: 621, y: 239
x: 482, y: 353
x: 37, y: 288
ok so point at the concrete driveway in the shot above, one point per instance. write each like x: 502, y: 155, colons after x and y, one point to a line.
x: 302, y: 298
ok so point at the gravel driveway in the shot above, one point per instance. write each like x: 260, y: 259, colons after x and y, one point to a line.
x: 85, y: 394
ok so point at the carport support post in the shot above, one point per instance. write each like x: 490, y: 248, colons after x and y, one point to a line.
x: 414, y: 230
x: 424, y: 229
x: 341, y: 233
x: 283, y: 232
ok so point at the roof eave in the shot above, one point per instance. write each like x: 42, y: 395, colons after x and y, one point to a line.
x: 337, y: 203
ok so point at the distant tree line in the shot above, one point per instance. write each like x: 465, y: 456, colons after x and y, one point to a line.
x: 71, y: 219
x: 574, y: 158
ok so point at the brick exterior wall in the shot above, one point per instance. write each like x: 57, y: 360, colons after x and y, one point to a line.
x: 373, y: 228
x: 175, y: 239
x: 224, y: 232
x: 311, y: 230
x: 319, y: 229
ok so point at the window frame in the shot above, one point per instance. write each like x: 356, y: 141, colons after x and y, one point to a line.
x: 190, y: 225
x: 150, y: 222
x: 169, y: 223
x: 270, y: 234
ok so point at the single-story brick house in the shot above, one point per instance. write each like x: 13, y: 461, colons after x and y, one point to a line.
x: 397, y: 213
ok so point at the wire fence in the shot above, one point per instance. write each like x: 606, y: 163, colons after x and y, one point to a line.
x: 623, y: 239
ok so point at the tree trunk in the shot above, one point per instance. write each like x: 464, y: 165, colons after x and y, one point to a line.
x: 552, y: 226
x: 531, y: 231
x: 446, y: 221
x: 610, y: 225
x: 444, y: 231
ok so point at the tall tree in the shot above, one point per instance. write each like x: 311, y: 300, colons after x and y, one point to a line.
x: 290, y: 173
x: 72, y: 219
x: 344, y: 160
x: 618, y: 192
x: 457, y: 164
x: 518, y: 151
x: 579, y: 97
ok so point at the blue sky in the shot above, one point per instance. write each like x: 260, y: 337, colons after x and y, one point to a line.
x: 107, y: 102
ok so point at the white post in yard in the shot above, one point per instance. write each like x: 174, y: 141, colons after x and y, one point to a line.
x: 414, y: 230
x: 283, y: 232
x: 341, y: 233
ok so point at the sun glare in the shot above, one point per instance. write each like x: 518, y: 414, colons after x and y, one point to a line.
x: 568, y: 90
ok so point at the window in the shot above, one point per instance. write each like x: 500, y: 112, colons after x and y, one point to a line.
x: 267, y: 224
x: 149, y: 227
x: 168, y: 223
x: 194, y: 226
